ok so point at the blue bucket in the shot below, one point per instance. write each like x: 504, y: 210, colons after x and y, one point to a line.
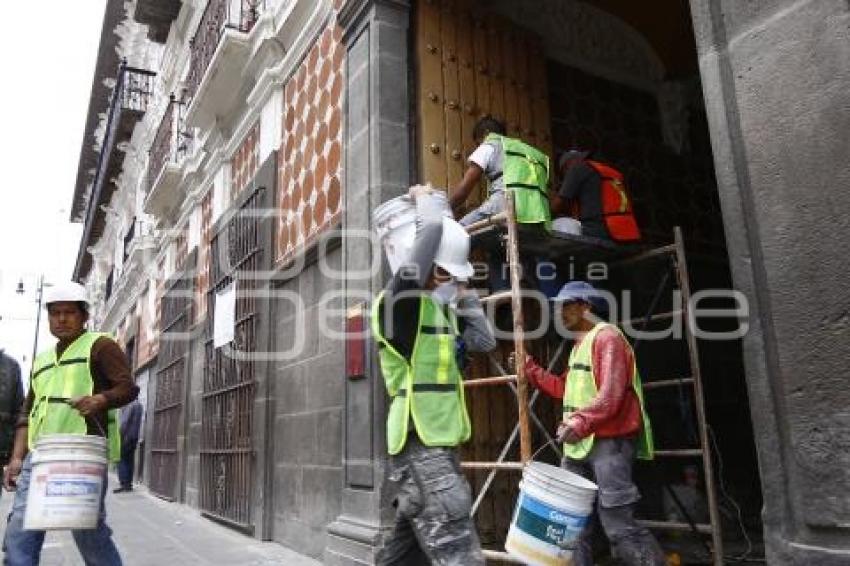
x: 553, y: 508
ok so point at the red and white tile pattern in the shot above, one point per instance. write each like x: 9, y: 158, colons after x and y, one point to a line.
x: 202, y: 282
x: 309, y: 185
x: 159, y: 292
x: 147, y: 342
x: 245, y: 162
x: 181, y: 247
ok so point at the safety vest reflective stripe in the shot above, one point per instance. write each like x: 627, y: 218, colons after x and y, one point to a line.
x: 525, y: 170
x: 616, y: 212
x: 436, y: 406
x: 420, y: 387
x: 580, y: 390
x: 54, y: 382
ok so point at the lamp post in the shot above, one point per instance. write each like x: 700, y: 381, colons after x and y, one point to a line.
x: 39, y: 296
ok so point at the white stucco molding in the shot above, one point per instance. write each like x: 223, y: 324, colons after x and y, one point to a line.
x: 300, y: 24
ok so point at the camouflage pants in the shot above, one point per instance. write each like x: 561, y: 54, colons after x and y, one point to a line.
x: 433, y: 523
x: 609, y: 464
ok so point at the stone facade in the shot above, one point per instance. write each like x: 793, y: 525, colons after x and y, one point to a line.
x: 775, y: 78
x: 308, y: 411
x: 320, y: 114
x: 378, y: 167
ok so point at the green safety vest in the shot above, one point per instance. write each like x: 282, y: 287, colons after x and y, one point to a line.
x: 427, y: 389
x: 525, y: 171
x: 581, y: 390
x: 54, y: 381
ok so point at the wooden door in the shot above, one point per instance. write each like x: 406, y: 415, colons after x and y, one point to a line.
x: 471, y: 63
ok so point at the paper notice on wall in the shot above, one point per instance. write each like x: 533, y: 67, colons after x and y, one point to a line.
x: 224, y: 324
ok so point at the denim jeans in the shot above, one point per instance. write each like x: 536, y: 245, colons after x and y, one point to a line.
x: 494, y: 204
x: 126, y: 465
x: 609, y: 464
x: 23, y: 548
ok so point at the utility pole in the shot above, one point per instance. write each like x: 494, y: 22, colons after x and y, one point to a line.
x: 39, y: 298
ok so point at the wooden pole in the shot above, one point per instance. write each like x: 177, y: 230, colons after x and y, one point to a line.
x: 519, y: 332
x: 699, y: 401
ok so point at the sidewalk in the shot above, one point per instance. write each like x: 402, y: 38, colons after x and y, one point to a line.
x: 153, y: 532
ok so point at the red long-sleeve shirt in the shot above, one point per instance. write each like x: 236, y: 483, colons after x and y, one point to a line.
x: 615, y: 411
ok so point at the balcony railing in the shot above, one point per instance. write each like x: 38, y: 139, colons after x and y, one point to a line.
x: 172, y: 141
x: 138, y: 230
x: 129, y: 101
x: 220, y: 15
x: 135, y: 88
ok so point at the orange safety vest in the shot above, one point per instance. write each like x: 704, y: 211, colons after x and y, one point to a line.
x: 617, y: 212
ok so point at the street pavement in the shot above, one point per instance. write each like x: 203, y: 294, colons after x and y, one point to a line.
x: 150, y: 531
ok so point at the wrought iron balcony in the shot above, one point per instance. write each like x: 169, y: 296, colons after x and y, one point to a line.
x: 137, y: 238
x: 128, y: 103
x: 170, y: 146
x: 219, y: 16
x: 172, y: 141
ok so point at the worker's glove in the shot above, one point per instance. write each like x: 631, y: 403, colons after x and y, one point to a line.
x: 11, y: 473
x: 89, y: 405
x: 566, y: 434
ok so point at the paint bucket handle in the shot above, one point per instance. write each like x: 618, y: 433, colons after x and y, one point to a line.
x: 67, y: 401
x: 539, y: 450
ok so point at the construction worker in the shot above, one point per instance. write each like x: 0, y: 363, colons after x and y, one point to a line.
x: 604, y: 426
x: 418, y: 321
x: 595, y: 194
x: 506, y: 163
x: 11, y: 398
x: 75, y: 388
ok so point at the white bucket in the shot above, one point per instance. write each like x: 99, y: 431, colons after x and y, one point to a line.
x: 567, y: 225
x: 553, y: 508
x: 68, y: 472
x: 395, y: 223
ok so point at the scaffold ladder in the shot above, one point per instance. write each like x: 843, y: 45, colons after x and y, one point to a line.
x: 518, y: 382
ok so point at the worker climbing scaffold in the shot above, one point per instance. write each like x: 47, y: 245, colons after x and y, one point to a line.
x: 518, y: 239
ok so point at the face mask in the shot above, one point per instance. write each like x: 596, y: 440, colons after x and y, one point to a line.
x: 445, y: 293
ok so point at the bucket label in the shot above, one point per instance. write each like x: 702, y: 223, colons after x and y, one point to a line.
x: 546, y: 523
x: 71, y: 488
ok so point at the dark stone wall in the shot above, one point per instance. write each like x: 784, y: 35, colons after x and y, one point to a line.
x: 192, y: 446
x: 377, y: 167
x: 308, y: 407
x: 775, y: 76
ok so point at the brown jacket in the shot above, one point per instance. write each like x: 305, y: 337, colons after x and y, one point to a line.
x: 112, y: 378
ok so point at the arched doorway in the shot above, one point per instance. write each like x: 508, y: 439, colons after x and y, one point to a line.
x: 624, y: 83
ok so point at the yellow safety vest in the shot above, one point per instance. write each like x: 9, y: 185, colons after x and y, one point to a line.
x: 581, y: 390
x: 428, y: 389
x: 54, y: 382
x: 525, y: 171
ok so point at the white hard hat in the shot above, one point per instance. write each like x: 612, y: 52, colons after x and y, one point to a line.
x: 66, y: 291
x: 453, y: 253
